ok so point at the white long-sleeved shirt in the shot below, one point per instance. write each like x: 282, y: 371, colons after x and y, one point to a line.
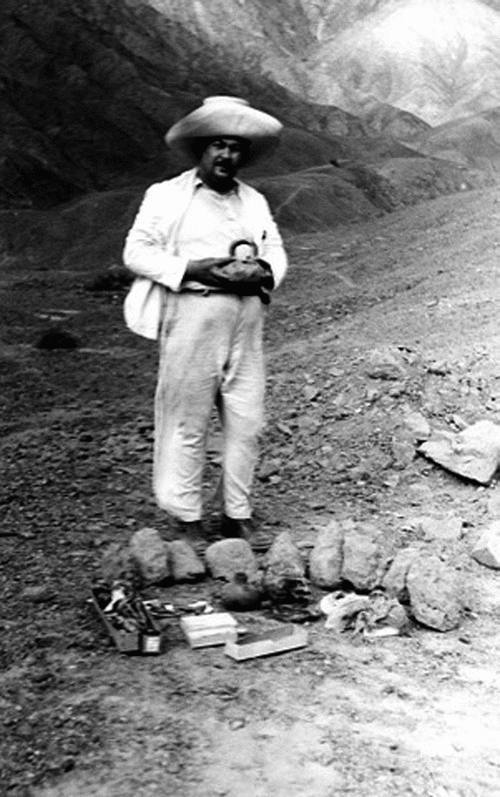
x: 152, y: 247
x: 154, y: 253
x: 211, y: 224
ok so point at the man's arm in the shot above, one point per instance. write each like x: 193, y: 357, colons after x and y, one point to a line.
x: 272, y: 251
x: 147, y: 249
x: 208, y: 271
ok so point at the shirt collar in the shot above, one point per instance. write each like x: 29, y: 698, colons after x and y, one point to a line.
x: 198, y: 183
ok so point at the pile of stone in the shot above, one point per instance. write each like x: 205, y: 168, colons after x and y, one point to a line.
x: 356, y: 563
x: 425, y: 583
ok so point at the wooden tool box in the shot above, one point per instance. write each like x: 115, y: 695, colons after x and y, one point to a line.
x: 146, y: 642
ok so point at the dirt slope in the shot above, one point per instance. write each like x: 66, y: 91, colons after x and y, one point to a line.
x: 413, y: 715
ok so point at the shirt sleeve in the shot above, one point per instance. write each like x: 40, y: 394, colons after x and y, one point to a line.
x: 148, y: 245
x: 272, y: 249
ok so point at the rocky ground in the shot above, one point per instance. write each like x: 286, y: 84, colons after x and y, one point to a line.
x: 415, y: 714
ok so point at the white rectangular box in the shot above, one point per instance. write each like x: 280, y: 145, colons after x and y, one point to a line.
x: 277, y: 640
x: 207, y: 630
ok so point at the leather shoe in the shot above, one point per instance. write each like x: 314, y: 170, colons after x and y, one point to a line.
x: 191, y: 531
x: 244, y: 528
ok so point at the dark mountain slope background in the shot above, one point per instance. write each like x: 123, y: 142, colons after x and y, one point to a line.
x: 87, y: 91
x: 438, y: 60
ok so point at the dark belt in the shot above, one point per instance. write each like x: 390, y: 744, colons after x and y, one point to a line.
x: 260, y: 292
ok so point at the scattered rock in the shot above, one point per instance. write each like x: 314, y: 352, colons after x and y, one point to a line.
x: 38, y: 594
x: 418, y: 426
x: 185, y: 565
x: 434, y: 591
x: 269, y: 468
x: 325, y: 562
x: 394, y: 581
x: 445, y: 528
x: 311, y: 392
x: 403, y: 451
x: 228, y: 557
x: 57, y: 339
x: 473, y: 453
x: 115, y: 278
x: 284, y: 575
x: 385, y: 364
x: 367, y: 553
x: 439, y: 368
x: 419, y: 493
x: 150, y: 553
x: 117, y: 564
x: 487, y: 549
x: 494, y: 505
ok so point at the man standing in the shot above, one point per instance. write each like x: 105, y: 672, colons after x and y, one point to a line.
x: 207, y: 253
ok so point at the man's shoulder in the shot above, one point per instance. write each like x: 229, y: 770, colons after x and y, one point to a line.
x: 249, y: 191
x: 180, y: 181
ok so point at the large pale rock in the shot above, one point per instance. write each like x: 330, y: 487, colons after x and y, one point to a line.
x: 228, y: 557
x: 367, y: 553
x: 185, y: 565
x: 284, y: 575
x: 385, y: 364
x: 494, y: 504
x: 440, y: 528
x: 487, y: 549
x: 325, y: 562
x: 394, y: 580
x: 150, y: 554
x: 403, y: 450
x: 434, y: 591
x: 419, y: 494
x: 117, y: 564
x: 473, y: 453
x: 417, y: 425
x: 38, y: 593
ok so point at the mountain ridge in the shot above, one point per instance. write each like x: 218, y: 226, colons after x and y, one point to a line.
x: 426, y: 58
x: 88, y: 90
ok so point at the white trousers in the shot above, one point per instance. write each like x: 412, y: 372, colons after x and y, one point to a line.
x: 211, y: 354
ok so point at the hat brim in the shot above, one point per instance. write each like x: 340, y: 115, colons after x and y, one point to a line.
x: 228, y: 117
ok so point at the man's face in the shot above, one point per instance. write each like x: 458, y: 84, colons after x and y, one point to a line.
x: 220, y: 162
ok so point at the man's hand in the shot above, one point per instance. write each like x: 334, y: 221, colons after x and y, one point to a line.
x: 207, y: 270
x: 248, y: 272
x: 228, y: 273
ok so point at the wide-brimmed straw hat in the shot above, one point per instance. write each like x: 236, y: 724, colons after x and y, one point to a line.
x: 225, y: 116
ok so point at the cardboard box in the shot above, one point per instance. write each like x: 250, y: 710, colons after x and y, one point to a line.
x: 277, y: 640
x: 207, y: 630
